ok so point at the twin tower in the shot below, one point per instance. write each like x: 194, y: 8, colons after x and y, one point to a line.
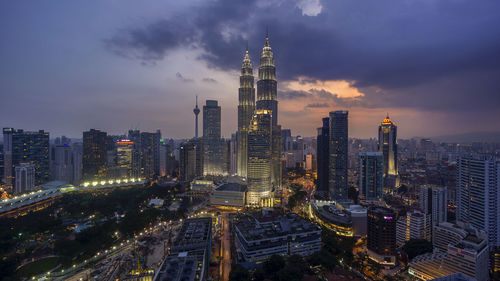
x: 259, y: 135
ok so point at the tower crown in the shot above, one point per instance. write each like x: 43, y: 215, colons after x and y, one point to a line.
x: 387, y: 121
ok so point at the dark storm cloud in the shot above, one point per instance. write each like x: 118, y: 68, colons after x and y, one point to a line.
x: 290, y: 95
x: 422, y: 54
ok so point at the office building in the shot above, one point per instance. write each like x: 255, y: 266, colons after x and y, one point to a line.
x: 167, y: 159
x: 259, y: 159
x: 469, y: 256
x: 259, y: 237
x: 25, y: 178
x: 26, y: 147
x: 413, y: 225
x: 381, y: 236
x: 77, y: 162
x: 323, y: 157
x: 371, y: 175
x: 267, y: 99
x: 190, y: 160
x: 246, y: 108
x: 62, y: 163
x: 388, y: 145
x: 434, y: 202
x: 478, y: 198
x: 337, y: 180
x: 446, y: 233
x: 212, y: 148
x: 95, y: 157
x: 125, y: 158
x: 150, y: 154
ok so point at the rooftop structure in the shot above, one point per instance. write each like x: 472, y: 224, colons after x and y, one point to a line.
x: 229, y: 195
x: 333, y: 217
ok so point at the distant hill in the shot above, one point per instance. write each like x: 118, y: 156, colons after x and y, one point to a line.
x: 469, y: 137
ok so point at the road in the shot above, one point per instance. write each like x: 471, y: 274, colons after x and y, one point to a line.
x: 225, y: 249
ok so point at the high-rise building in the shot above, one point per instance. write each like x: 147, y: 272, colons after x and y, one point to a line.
x: 95, y: 157
x: 233, y: 170
x: 246, y: 108
x: 212, y: 149
x: 191, y: 160
x: 62, y: 165
x: 381, y: 236
x: 259, y: 158
x: 414, y: 225
x: 77, y: 162
x: 125, y: 158
x: 25, y: 178
x: 433, y: 202
x: 267, y: 99
x: 167, y: 159
x: 337, y: 180
x: 26, y: 147
x: 149, y: 154
x: 323, y: 148
x: 388, y: 145
x: 371, y: 175
x: 478, y: 198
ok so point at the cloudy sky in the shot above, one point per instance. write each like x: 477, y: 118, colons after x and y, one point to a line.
x: 67, y: 66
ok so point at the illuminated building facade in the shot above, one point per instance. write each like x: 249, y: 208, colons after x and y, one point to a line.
x: 323, y: 156
x: 337, y: 179
x: 126, y: 158
x: 478, y: 198
x: 388, y: 145
x: 95, y: 157
x: 381, y: 236
x: 259, y: 158
x: 371, y: 175
x: 267, y: 99
x: 26, y: 147
x: 212, y: 146
x: 246, y: 107
x: 414, y: 225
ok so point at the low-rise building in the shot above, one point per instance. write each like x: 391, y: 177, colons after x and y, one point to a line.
x: 333, y: 217
x: 232, y: 195
x: 260, y: 237
x: 189, y: 254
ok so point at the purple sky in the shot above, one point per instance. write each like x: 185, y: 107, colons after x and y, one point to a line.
x: 67, y: 66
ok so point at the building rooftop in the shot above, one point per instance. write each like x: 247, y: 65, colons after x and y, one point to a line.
x: 193, y: 232
x: 236, y: 187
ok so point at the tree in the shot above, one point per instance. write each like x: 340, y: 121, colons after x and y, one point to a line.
x: 239, y: 273
x: 352, y: 194
x: 274, y: 264
x: 415, y: 247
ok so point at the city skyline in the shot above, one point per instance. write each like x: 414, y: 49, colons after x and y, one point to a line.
x: 121, y: 73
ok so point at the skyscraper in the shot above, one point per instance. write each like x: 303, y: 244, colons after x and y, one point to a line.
x: 413, y: 225
x: 323, y: 158
x: 125, y: 158
x: 259, y: 158
x: 388, y: 145
x: 337, y: 184
x: 26, y: 147
x: 371, y: 175
x: 212, y: 148
x: 94, y: 155
x: 433, y: 202
x: 190, y: 160
x: 150, y: 146
x: 478, y: 198
x: 267, y: 99
x: 381, y: 236
x: 246, y: 107
x: 62, y: 165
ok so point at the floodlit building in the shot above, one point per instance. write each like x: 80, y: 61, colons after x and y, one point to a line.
x: 333, y: 217
x: 388, y: 145
x: 246, y: 108
x: 259, y: 159
x: 231, y: 195
x: 414, y: 225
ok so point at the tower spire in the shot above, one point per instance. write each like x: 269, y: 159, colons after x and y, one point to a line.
x: 196, y: 111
